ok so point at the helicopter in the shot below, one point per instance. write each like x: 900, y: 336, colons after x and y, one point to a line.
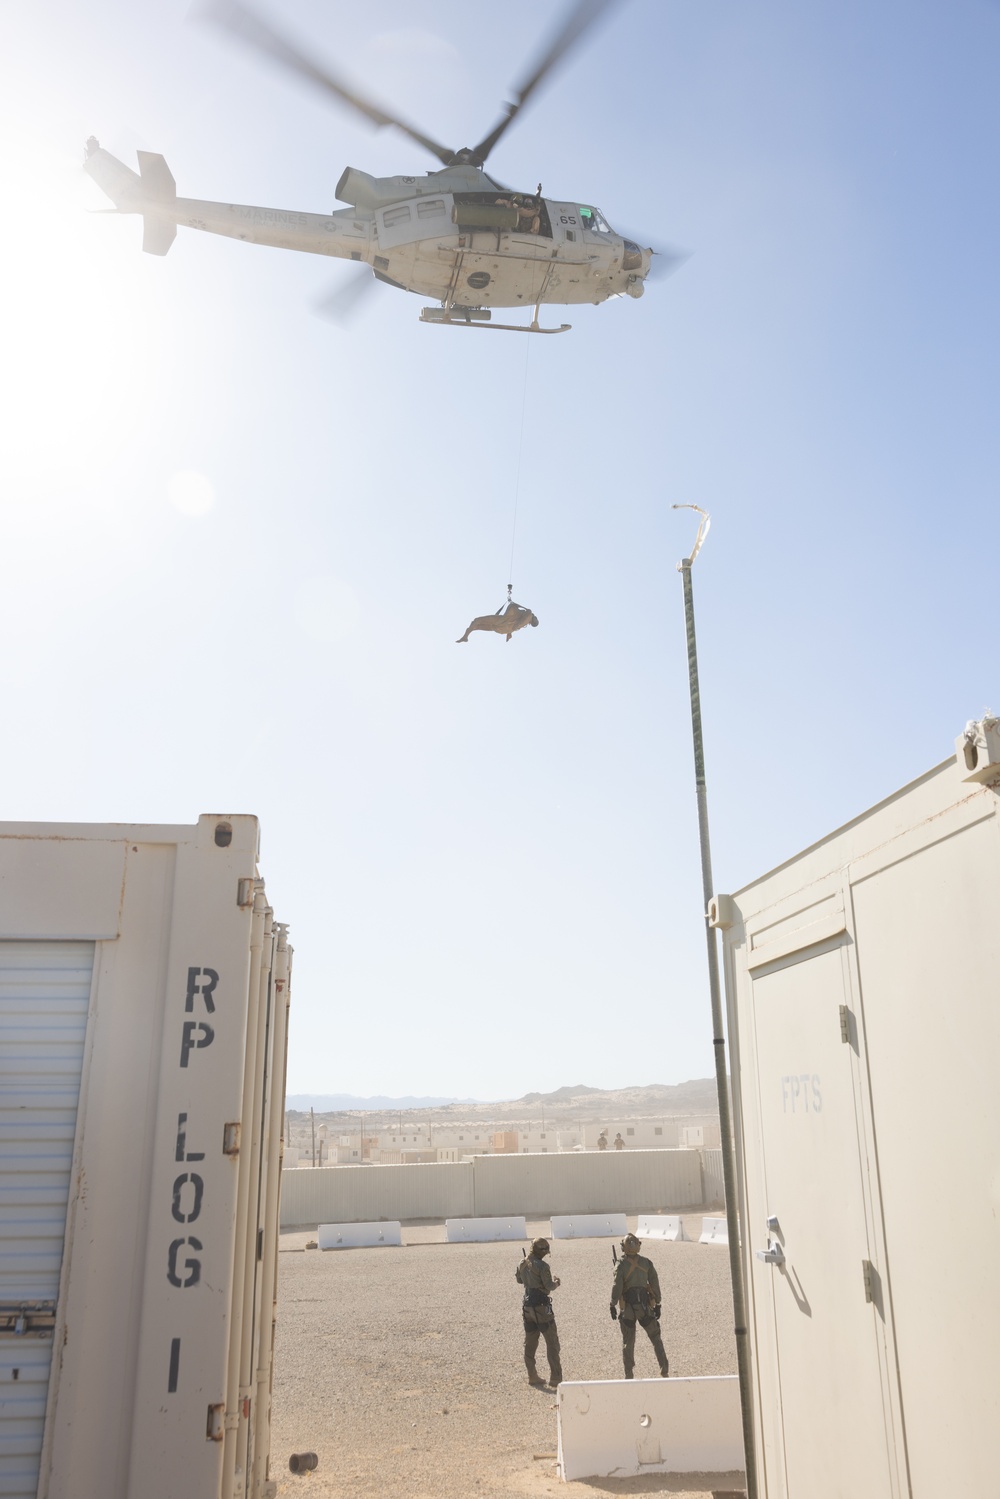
x: 455, y: 235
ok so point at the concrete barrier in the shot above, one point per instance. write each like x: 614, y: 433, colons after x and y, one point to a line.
x: 484, y: 1230
x: 629, y: 1426
x: 661, y: 1226
x: 358, y: 1235
x: 589, y: 1226
x: 714, y: 1231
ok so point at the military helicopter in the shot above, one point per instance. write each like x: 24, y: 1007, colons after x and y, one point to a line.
x: 455, y: 235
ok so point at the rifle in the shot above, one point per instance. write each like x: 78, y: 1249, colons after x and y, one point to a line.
x: 614, y: 1261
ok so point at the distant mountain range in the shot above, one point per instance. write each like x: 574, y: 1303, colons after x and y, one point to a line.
x: 693, y: 1097
x: 327, y: 1103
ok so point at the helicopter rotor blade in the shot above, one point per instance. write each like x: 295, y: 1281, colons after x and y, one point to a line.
x: 343, y: 304
x: 579, y: 19
x: 252, y: 29
x: 665, y: 262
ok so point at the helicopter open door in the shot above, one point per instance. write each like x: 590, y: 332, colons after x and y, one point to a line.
x: 414, y: 219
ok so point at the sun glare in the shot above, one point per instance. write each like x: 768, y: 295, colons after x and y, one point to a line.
x: 75, y: 345
x: 190, y: 493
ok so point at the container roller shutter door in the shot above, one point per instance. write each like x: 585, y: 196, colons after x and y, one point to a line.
x: 44, y: 1000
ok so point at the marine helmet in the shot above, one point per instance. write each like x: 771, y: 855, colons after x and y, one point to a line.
x: 630, y: 1244
x: 539, y: 1247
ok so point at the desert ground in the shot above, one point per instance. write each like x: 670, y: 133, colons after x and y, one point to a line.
x: 402, y: 1368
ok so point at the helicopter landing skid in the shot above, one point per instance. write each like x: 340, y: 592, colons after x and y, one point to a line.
x: 479, y: 317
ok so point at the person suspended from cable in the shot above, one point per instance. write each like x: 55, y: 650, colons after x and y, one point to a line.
x: 506, y: 620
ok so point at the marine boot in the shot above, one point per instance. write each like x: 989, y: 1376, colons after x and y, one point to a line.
x: 535, y: 1380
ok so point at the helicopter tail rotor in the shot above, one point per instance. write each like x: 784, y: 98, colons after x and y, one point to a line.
x: 151, y: 192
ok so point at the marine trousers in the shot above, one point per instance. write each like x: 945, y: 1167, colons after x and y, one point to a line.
x: 651, y: 1326
x: 533, y: 1330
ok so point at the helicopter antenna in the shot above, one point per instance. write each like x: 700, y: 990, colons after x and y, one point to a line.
x: 517, y: 477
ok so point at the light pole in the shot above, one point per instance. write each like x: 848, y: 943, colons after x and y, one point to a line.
x: 718, y: 1034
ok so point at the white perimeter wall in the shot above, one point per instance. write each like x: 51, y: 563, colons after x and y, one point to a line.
x: 497, y: 1186
x: 366, y: 1194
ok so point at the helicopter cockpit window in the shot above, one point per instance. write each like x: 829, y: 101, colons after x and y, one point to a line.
x: 594, y: 220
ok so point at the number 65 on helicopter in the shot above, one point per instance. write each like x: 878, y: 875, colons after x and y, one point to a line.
x: 455, y: 235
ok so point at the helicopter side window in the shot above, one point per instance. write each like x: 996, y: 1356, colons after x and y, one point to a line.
x: 594, y: 220
x: 399, y: 215
x: 430, y: 208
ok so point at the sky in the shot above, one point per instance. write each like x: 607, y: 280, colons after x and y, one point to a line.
x: 240, y: 542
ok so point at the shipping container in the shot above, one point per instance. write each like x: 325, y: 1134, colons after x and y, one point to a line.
x: 862, y: 990
x: 144, y: 988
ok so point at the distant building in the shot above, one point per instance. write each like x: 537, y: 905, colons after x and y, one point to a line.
x: 638, y: 1134
x: 538, y: 1138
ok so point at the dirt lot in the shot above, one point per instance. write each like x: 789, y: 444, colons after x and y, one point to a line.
x: 402, y: 1368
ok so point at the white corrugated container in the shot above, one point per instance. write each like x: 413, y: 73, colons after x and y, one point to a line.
x: 144, y: 993
x: 862, y: 981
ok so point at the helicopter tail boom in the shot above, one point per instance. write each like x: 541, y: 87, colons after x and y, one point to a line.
x: 152, y: 192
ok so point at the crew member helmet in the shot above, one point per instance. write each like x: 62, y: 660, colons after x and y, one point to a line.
x: 539, y: 1247
x: 630, y: 1244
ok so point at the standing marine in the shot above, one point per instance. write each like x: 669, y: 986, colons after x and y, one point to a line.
x: 536, y: 1310
x: 635, y: 1298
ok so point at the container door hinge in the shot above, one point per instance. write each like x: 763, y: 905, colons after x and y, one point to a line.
x: 868, y: 1272
x: 231, y: 1138
x: 845, y: 1025
x: 244, y: 892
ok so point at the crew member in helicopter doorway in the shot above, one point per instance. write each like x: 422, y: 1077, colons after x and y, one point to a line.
x: 504, y: 622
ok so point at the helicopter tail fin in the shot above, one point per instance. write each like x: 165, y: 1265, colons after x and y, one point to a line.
x: 151, y: 191
x: 157, y: 183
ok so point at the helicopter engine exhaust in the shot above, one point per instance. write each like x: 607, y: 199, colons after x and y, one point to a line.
x: 362, y: 190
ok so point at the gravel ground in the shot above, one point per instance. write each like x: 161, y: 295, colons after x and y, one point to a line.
x: 403, y: 1370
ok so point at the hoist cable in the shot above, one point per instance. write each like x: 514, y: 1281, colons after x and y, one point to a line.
x: 517, y: 477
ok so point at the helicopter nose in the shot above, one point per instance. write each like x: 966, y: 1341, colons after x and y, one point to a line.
x: 635, y: 263
x: 634, y: 258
